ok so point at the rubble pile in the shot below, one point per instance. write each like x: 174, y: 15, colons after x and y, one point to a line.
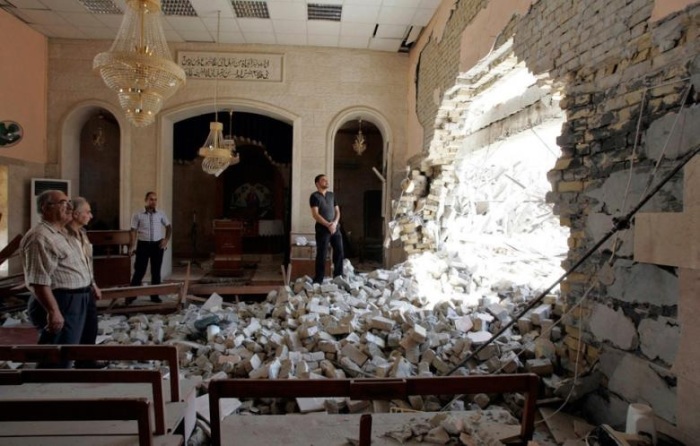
x: 386, y: 323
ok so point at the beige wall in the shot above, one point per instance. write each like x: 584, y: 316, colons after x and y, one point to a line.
x: 23, y: 81
x: 662, y: 8
x: 320, y: 84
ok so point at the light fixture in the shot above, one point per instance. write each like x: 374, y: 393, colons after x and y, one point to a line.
x: 359, y: 145
x: 218, y: 153
x: 229, y: 141
x: 98, y: 138
x: 139, y: 66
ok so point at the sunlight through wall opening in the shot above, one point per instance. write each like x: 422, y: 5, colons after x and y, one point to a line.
x: 473, y: 218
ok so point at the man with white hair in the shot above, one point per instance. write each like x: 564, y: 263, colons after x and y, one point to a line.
x: 57, y: 274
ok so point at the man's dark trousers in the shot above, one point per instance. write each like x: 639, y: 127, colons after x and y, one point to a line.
x: 323, y: 237
x: 145, y: 252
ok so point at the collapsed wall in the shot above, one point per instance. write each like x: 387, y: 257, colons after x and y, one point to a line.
x: 629, y: 89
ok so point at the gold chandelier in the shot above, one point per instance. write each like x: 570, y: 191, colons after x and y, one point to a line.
x: 218, y: 153
x: 139, y: 66
x: 359, y: 145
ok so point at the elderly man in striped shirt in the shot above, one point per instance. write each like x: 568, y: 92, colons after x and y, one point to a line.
x: 58, y: 275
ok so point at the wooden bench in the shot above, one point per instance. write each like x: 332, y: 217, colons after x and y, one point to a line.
x: 23, y: 410
x: 56, y: 353
x: 152, y: 377
x: 112, y: 295
x: 264, y: 430
x: 179, y: 400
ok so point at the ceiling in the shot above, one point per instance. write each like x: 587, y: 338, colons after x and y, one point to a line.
x: 381, y: 25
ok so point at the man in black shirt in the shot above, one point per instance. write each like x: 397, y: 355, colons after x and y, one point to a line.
x: 326, y: 213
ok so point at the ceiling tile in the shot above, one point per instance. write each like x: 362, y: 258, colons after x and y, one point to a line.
x: 196, y: 36
x: 186, y: 23
x: 260, y: 37
x: 323, y: 27
x: 402, y: 3
x: 354, y: 41
x: 99, y: 33
x: 112, y: 21
x: 395, y: 16
x: 357, y: 29
x: 210, y: 8
x: 385, y: 44
x: 30, y: 4
x: 229, y: 25
x: 291, y: 39
x: 231, y: 38
x: 286, y: 11
x: 255, y: 26
x: 43, y: 17
x: 289, y: 26
x: 172, y: 36
x: 422, y: 17
x: 391, y: 31
x: 80, y: 19
x: 323, y: 40
x: 360, y: 13
x: 288, y: 23
x: 65, y: 5
x: 64, y: 32
x: 432, y: 4
x: 363, y: 2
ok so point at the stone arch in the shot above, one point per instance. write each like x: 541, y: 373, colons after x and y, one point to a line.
x: 367, y: 114
x: 164, y: 152
x: 71, y: 126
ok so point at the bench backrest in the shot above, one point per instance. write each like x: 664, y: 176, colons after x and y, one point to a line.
x: 375, y: 389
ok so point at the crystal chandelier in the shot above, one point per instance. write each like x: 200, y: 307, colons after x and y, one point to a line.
x: 359, y: 145
x: 218, y: 153
x: 139, y: 66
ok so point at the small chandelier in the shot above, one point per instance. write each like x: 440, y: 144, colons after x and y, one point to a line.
x: 218, y: 153
x: 139, y: 66
x: 359, y: 145
x: 98, y: 138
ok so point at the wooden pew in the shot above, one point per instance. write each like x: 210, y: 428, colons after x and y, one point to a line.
x: 76, y: 409
x: 356, y: 389
x: 56, y: 353
x: 180, y: 410
x: 116, y: 293
x: 152, y: 377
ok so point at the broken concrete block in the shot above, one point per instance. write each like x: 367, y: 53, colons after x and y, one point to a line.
x: 418, y: 334
x: 541, y: 367
x: 464, y: 324
x: 381, y: 323
x: 524, y: 325
x: 539, y: 313
x: 354, y: 354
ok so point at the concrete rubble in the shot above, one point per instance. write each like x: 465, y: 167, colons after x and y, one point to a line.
x: 378, y: 324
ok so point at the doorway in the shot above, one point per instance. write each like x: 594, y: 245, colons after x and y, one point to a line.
x: 359, y: 189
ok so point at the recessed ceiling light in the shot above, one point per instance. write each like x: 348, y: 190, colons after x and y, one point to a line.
x: 317, y: 11
x: 101, y: 6
x: 178, y: 7
x: 251, y: 9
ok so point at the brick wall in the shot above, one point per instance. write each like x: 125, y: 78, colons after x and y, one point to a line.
x: 624, y: 79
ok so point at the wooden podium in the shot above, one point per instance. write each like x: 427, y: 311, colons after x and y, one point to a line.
x: 111, y: 261
x: 228, y: 237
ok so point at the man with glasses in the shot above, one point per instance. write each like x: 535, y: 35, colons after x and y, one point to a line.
x: 58, y: 275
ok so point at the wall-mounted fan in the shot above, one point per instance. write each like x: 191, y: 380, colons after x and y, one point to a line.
x: 10, y: 133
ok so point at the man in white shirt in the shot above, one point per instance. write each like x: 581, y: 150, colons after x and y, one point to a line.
x: 152, y: 229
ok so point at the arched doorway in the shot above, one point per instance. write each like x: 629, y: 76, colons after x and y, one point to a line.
x: 256, y: 191
x: 360, y: 153
x: 99, y: 168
